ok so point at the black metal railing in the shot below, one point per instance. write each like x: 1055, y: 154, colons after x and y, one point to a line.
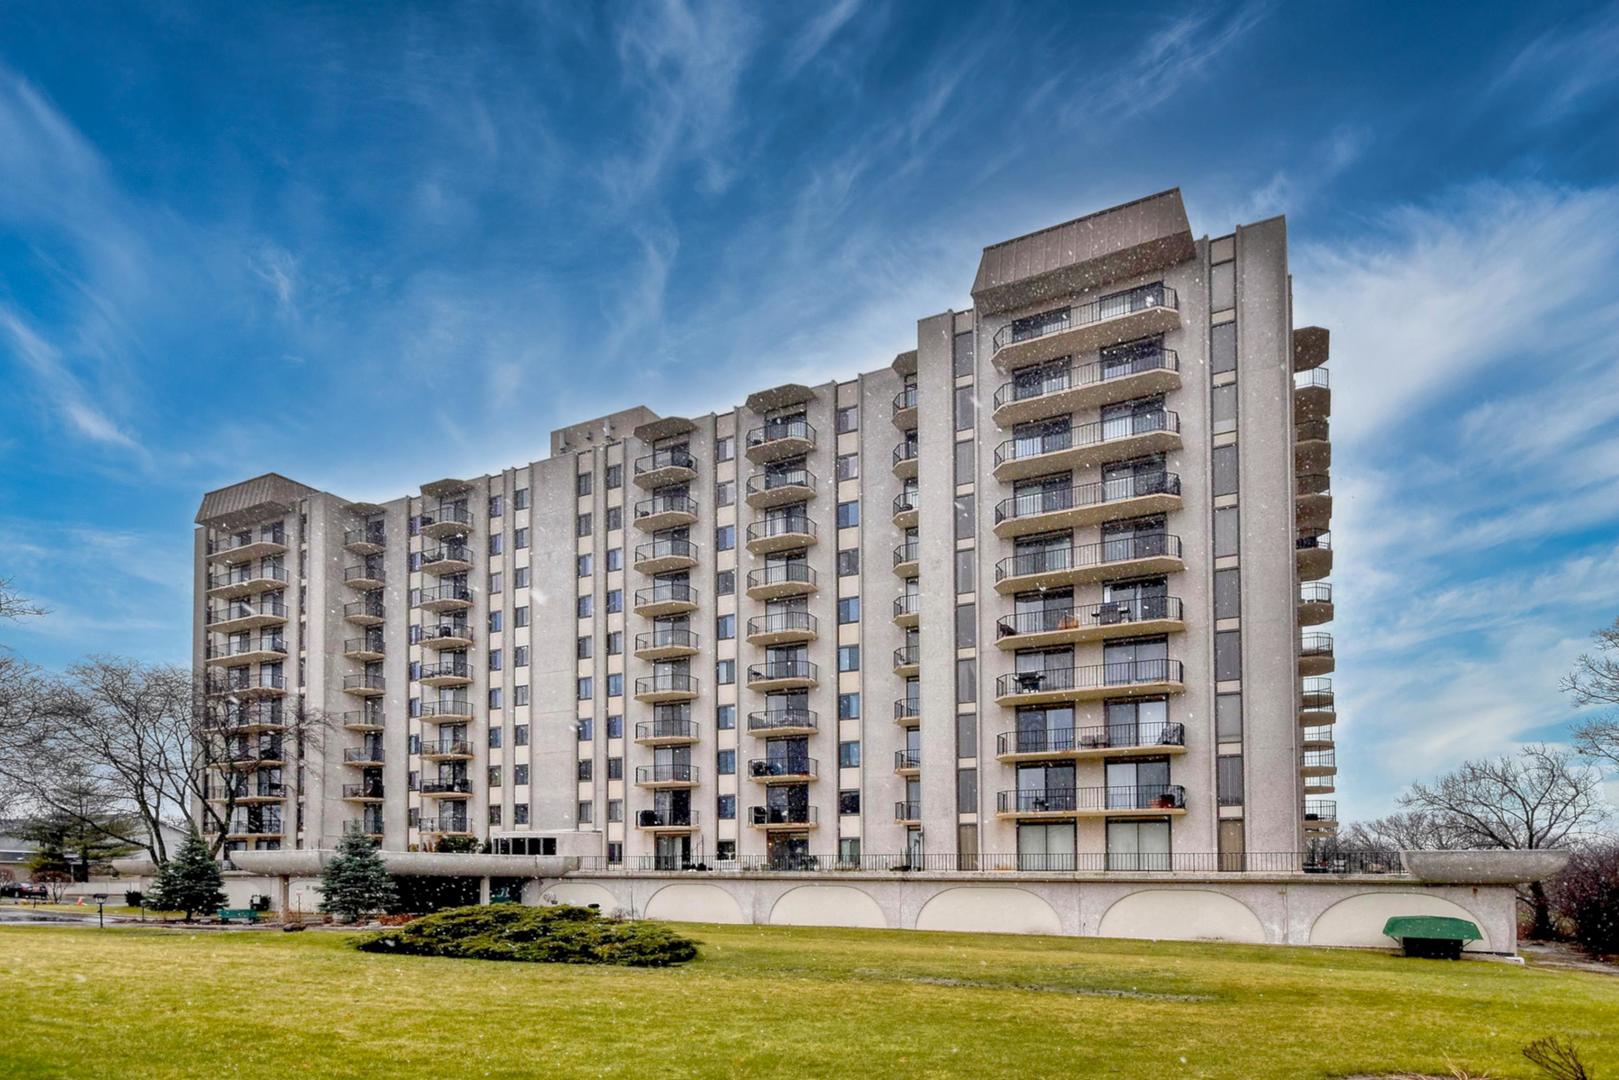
x: 907, y: 759
x: 665, y: 504
x: 372, y: 608
x: 1315, y: 644
x: 359, y: 573
x: 265, y: 643
x: 1055, y: 381
x: 448, y: 553
x: 445, y: 515
x: 363, y: 645
x: 769, y: 768
x: 908, y: 811
x: 1325, y: 860
x: 790, y: 573
x: 1313, y: 541
x: 1053, y: 500
x: 1321, y: 759
x: 458, y: 786
x: 685, y: 818
x: 362, y: 718
x: 781, y: 622
x: 782, y: 669
x: 1315, y: 592
x: 905, y: 451
x: 665, y: 639
x: 238, y: 609
x: 907, y: 656
x: 1055, y: 619
x: 1055, y: 560
x: 905, y: 399
x: 241, y: 679
x: 677, y: 457
x: 777, y: 479
x: 1097, y: 737
x: 906, y: 707
x: 363, y: 754
x: 910, y: 551
x: 449, y: 591
x: 1128, y: 302
x: 666, y: 684
x: 444, y: 825
x: 227, y: 544
x: 788, y: 525
x: 448, y: 669
x: 783, y: 815
x: 453, y: 629
x: 906, y: 501
x: 777, y: 430
x: 768, y: 721
x: 666, y: 774
x: 1320, y: 810
x: 907, y: 604
x: 1094, y: 434
x: 1066, y: 800
x: 362, y: 791
x: 242, y: 575
x: 666, y: 549
x: 447, y: 747
x: 666, y: 729
x: 364, y: 682
x: 374, y: 535
x: 452, y: 707
x: 667, y: 593
x: 1091, y: 677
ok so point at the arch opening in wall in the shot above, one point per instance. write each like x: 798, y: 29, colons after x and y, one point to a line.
x: 691, y: 902
x: 1357, y: 921
x: 827, y: 905
x: 986, y: 909
x: 1182, y: 915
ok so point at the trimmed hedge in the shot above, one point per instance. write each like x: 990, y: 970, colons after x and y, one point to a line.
x: 562, y: 934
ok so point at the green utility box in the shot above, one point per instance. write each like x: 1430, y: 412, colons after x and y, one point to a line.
x: 1436, y: 936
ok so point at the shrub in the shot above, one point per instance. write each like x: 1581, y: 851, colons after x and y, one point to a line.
x: 563, y: 934
x: 133, y: 898
x: 1586, y: 896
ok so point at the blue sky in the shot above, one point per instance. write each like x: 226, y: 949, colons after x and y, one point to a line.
x: 232, y: 239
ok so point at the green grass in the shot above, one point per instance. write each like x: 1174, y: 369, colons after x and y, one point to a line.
x: 137, y: 1003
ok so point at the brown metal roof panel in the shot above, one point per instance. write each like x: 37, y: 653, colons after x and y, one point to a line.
x: 258, y: 499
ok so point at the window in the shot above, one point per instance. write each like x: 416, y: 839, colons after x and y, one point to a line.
x: 520, y: 580
x: 1227, y: 655
x: 615, y: 601
x: 725, y: 493
x: 1228, y: 717
x: 586, y: 813
x: 615, y: 518
x: 966, y: 570
x: 615, y: 726
x: 848, y: 609
x: 615, y: 768
x: 848, y: 658
x: 494, y: 815
x: 520, y: 813
x: 583, y: 649
x: 615, y: 477
x: 495, y: 505
x: 724, y: 448
x: 584, y: 565
x: 848, y: 514
x: 1223, y: 348
x: 964, y: 461
x: 725, y: 717
x: 582, y: 528
x: 966, y: 626
x: 495, y: 619
x: 725, y: 583
x: 615, y: 559
x: 849, y: 849
x: 1137, y: 845
x: 586, y: 688
x: 961, y: 354
x: 494, y: 738
x: 1228, y: 779
x: 520, y: 694
x: 496, y: 542
x: 849, y: 801
x: 1223, y: 286
x: 725, y: 538
x: 582, y: 484
x: 519, y: 775
x: 966, y: 681
x: 495, y: 659
x: 1225, y: 470
x: 964, y: 517
x: 725, y: 672
x: 848, y: 419
x: 848, y: 754
x: 615, y: 642
x: 725, y: 627
x: 520, y: 735
x: 849, y: 706
x: 495, y: 583
x: 1224, y: 408
x: 520, y: 538
x: 967, y: 791
x: 964, y: 407
x: 615, y: 851
x: 967, y: 735
x: 1226, y: 524
x: 586, y: 729
x: 585, y: 768
x: 520, y: 499
x: 495, y: 698
x: 1227, y: 594
x: 726, y: 808
x: 615, y: 684
x: 725, y: 762
x: 848, y: 562
x: 848, y: 466
x: 615, y: 809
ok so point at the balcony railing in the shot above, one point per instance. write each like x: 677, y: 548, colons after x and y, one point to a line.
x: 447, y: 747
x: 790, y: 525
x: 769, y: 720
x: 776, y: 431
x: 448, y: 591
x: 1108, y: 613
x: 363, y: 753
x: 666, y: 729
x: 1314, y: 542
x: 272, y: 644
x: 456, y: 707
x: 243, y: 574
x: 373, y: 608
x: 666, y: 504
x: 907, y: 759
x: 673, y: 458
x: 1315, y: 592
x: 906, y: 500
x: 1083, y: 556
x: 781, y: 622
x: 450, y: 669
x: 666, y: 639
x: 1098, y: 737
x: 1320, y: 810
x: 374, y: 535
x: 666, y: 549
x: 907, y: 604
x: 907, y: 656
x: 783, y: 815
x: 362, y: 573
x: 1062, y: 800
x: 768, y: 768
x: 1321, y: 759
x: 459, y: 786
x: 905, y: 399
x: 365, y: 682
x: 363, y: 644
x: 670, y: 593
x: 782, y: 669
x: 907, y: 706
x: 666, y: 819
x: 776, y: 479
x: 1316, y: 644
x: 1315, y: 378
x: 446, y: 515
x: 666, y: 774
x: 1080, y: 495
x: 781, y: 574
x: 239, y: 609
x: 228, y: 544
x: 443, y: 825
x: 1024, y: 447
x: 1091, y: 677
x: 666, y: 684
x: 264, y: 680
x: 457, y: 629
x: 1076, y: 315
x: 362, y: 791
x: 1323, y: 860
x: 448, y: 553
x: 1033, y: 386
x: 905, y: 451
x: 911, y: 551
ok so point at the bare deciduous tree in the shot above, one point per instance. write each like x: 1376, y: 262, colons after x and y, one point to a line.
x: 21, y: 704
x: 1403, y: 830
x: 1595, y: 681
x: 13, y: 605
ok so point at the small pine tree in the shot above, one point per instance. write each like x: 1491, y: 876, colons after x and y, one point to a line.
x: 355, y: 883
x: 189, y: 882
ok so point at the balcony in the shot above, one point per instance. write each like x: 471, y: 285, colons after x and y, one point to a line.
x: 258, y: 793
x: 785, y: 770
x: 365, y: 649
x: 251, y: 756
x: 366, y: 540
x: 666, y: 776
x: 665, y: 512
x: 665, y: 645
x: 905, y: 409
x: 1088, y: 445
x: 907, y: 509
x: 907, y: 762
x: 1313, y: 555
x: 1087, y: 386
x: 1316, y: 702
x: 232, y: 550
x: 778, y: 722
x: 245, y: 615
x: 364, y: 577
x: 907, y: 660
x: 265, y: 649
x: 1318, y: 738
x: 444, y: 826
x: 367, y: 612
x: 1090, y: 622
x: 1153, y: 739
x: 782, y: 628
x: 244, y: 685
x: 1125, y: 678
x: 1319, y: 763
x: 458, y: 788
x: 447, y: 634
x: 783, y: 817
x: 670, y: 598
x: 241, y: 581
x: 365, y: 685
x: 908, y: 609
x: 1320, y: 815
x: 782, y: 675
x: 1320, y: 785
x: 445, y: 521
x: 780, y: 488
x: 1315, y: 654
x: 666, y: 732
x: 1154, y: 800
x: 252, y: 718
x: 1315, y: 603
x: 905, y: 460
x: 1312, y: 395
x: 664, y: 467
x: 447, y: 711
x: 446, y: 750
x: 907, y: 559
x: 1144, y: 555
x: 449, y: 596
x: 658, y: 689
x: 780, y: 581
x: 446, y: 673
x: 908, y: 813
x: 447, y: 559
x: 780, y: 440
x: 665, y: 556
x: 908, y: 711
x: 362, y: 793
x: 367, y: 719
x: 1141, y: 495
x: 684, y: 820
x: 363, y: 756
x: 781, y: 534
x: 1143, y: 312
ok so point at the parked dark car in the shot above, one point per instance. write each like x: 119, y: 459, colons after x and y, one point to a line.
x: 23, y: 890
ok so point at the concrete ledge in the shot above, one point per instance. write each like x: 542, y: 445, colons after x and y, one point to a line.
x: 308, y: 863
x: 1483, y: 867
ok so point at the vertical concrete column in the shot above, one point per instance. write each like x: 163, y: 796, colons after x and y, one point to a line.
x: 936, y: 539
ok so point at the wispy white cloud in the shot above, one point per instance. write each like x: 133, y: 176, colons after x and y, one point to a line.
x: 1566, y: 65
x: 817, y: 33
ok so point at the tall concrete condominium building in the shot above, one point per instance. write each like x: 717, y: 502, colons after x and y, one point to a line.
x: 1039, y: 593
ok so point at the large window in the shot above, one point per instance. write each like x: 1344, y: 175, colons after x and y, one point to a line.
x: 1045, y: 846
x: 1138, y: 845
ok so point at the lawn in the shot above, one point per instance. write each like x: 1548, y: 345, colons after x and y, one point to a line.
x: 134, y: 1003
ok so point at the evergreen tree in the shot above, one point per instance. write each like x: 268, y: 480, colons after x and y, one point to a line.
x: 189, y: 882
x: 355, y: 883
